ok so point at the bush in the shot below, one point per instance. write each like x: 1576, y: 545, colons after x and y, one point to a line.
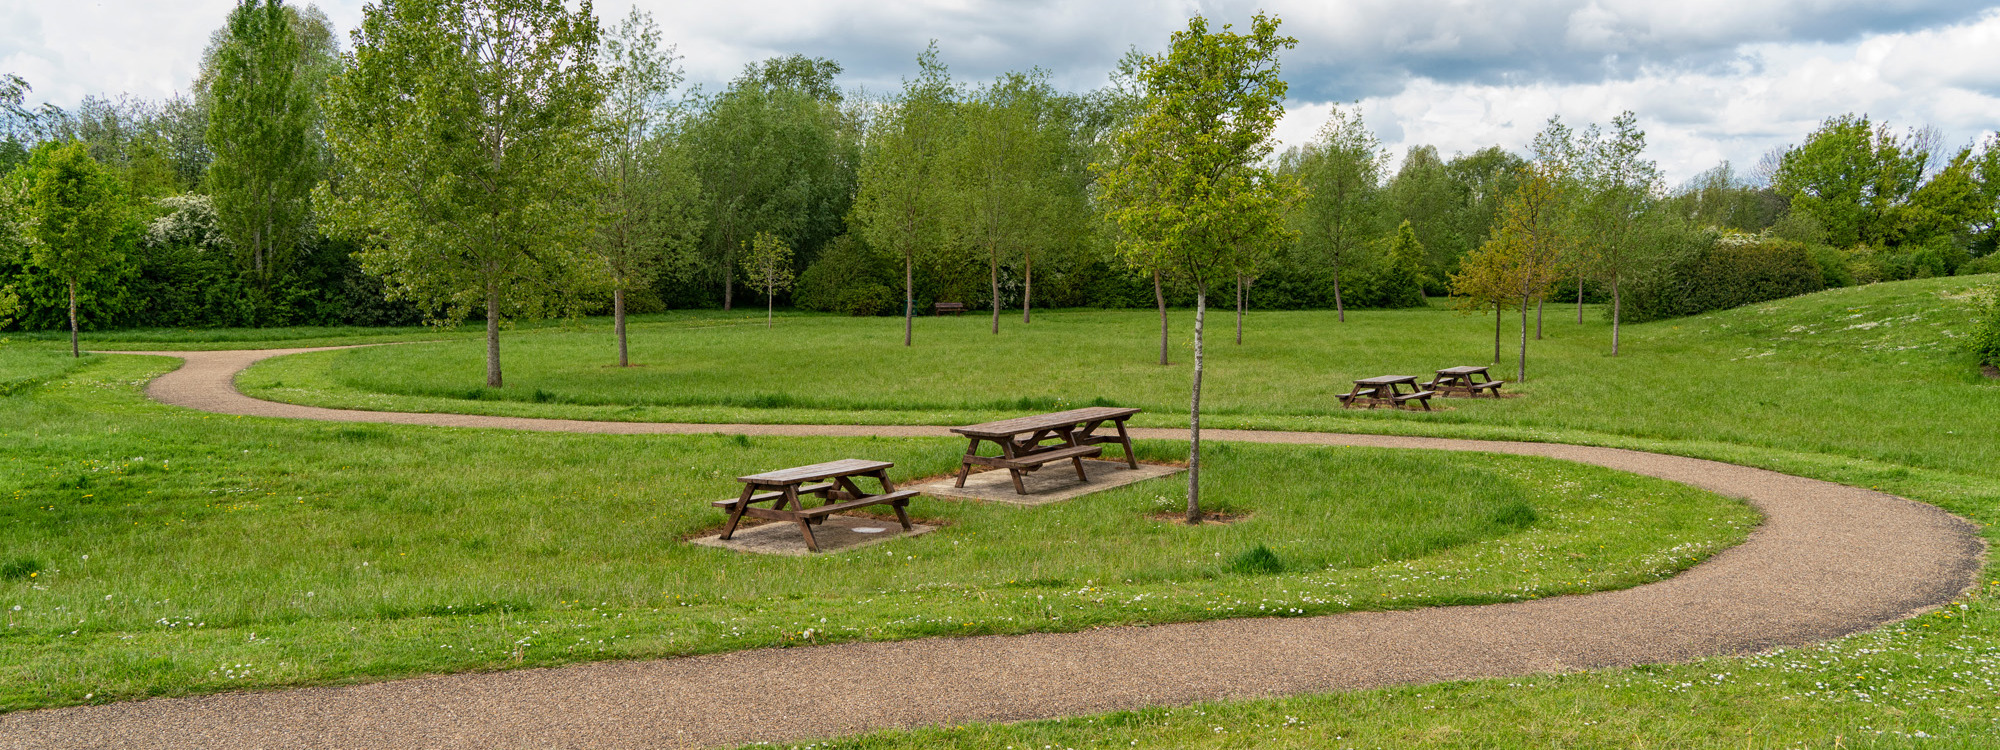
x: 1986, y: 333
x: 1984, y: 264
x: 849, y: 277
x: 1722, y: 275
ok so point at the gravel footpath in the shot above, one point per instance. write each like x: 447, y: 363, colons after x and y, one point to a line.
x: 1829, y: 560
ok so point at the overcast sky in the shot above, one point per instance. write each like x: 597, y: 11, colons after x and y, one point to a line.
x: 1709, y: 79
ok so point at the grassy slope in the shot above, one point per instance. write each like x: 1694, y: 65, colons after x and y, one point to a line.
x: 147, y: 550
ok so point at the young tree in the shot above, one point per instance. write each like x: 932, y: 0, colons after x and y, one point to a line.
x: 651, y: 210
x: 466, y: 129
x: 771, y: 260
x: 905, y: 173
x: 1618, y: 187
x: 75, y: 206
x: 1403, y: 273
x: 1188, y: 191
x: 1481, y: 281
x: 260, y: 119
x: 1524, y: 257
x: 1341, y: 212
x: 1007, y: 159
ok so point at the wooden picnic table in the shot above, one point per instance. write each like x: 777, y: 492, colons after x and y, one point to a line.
x: 1386, y: 390
x: 1468, y: 380
x: 786, y: 486
x: 1072, y: 429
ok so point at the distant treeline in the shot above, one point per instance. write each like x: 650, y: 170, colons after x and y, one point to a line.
x: 689, y: 178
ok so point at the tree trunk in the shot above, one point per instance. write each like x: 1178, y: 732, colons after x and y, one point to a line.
x: 770, y: 294
x: 1538, y: 320
x: 728, y: 284
x: 1027, y: 285
x: 77, y: 353
x: 1579, y: 299
x: 1194, y: 414
x: 1496, y: 331
x: 1338, y: 308
x: 618, y: 324
x: 1160, y: 296
x: 1521, y: 372
x: 1614, y: 316
x: 492, y: 335
x: 909, y: 300
x: 994, y: 266
x: 1239, y: 309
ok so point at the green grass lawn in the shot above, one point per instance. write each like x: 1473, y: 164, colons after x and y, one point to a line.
x: 148, y: 550
x: 471, y: 555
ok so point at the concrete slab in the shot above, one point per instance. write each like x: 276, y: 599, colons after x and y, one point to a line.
x: 837, y: 534
x: 1054, y: 483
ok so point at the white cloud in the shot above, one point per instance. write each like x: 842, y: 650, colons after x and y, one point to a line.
x: 1709, y: 79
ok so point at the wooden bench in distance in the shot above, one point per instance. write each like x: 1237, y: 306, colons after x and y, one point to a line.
x: 954, y: 308
x: 1492, y: 386
x: 1347, y: 399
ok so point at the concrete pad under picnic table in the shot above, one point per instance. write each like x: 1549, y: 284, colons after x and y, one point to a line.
x: 1053, y: 483
x: 837, y: 534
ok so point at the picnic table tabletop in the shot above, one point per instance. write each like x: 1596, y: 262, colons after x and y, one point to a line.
x: 843, y: 468
x: 1019, y: 425
x: 1463, y: 370
x: 1386, y: 380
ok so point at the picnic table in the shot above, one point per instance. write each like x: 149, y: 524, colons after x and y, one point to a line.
x: 1386, y: 390
x: 785, y: 487
x: 1467, y: 380
x: 1020, y: 441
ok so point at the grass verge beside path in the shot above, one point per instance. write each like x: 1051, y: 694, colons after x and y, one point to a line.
x: 150, y: 550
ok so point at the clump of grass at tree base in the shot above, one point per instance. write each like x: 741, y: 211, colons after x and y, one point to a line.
x: 1805, y: 375
x: 371, y: 562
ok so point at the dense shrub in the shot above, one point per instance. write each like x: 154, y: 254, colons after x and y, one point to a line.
x: 1721, y: 275
x: 1986, y: 332
x: 1982, y: 264
x: 850, y: 277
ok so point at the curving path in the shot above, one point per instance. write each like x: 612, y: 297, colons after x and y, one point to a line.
x: 1828, y: 561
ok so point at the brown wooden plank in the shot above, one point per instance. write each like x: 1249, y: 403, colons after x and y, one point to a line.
x: 1462, y: 370
x: 816, y: 472
x: 1053, y: 421
x: 1387, y: 380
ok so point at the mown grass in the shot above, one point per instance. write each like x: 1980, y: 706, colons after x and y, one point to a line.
x: 147, y: 550
x: 1866, y: 373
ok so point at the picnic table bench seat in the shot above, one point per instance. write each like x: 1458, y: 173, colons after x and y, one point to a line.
x: 954, y: 308
x: 1421, y: 396
x: 822, y: 490
x: 1347, y: 399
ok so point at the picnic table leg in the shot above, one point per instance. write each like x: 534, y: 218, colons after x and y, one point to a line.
x: 965, y: 464
x: 1069, y: 438
x: 1126, y: 440
x: 805, y: 524
x: 1007, y: 450
x: 902, y: 515
x: 736, y: 513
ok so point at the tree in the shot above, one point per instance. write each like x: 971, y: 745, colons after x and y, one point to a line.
x: 905, y: 173
x: 1341, y: 212
x: 1523, y: 258
x: 1865, y: 184
x: 771, y: 260
x: 1618, y: 188
x: 1403, y: 274
x: 776, y: 153
x: 260, y: 118
x: 466, y: 131
x: 651, y: 210
x: 74, y: 205
x: 1188, y: 191
x: 1008, y: 157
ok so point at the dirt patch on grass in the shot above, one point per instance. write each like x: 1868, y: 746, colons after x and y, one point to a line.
x: 1220, y: 517
x: 1990, y: 371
